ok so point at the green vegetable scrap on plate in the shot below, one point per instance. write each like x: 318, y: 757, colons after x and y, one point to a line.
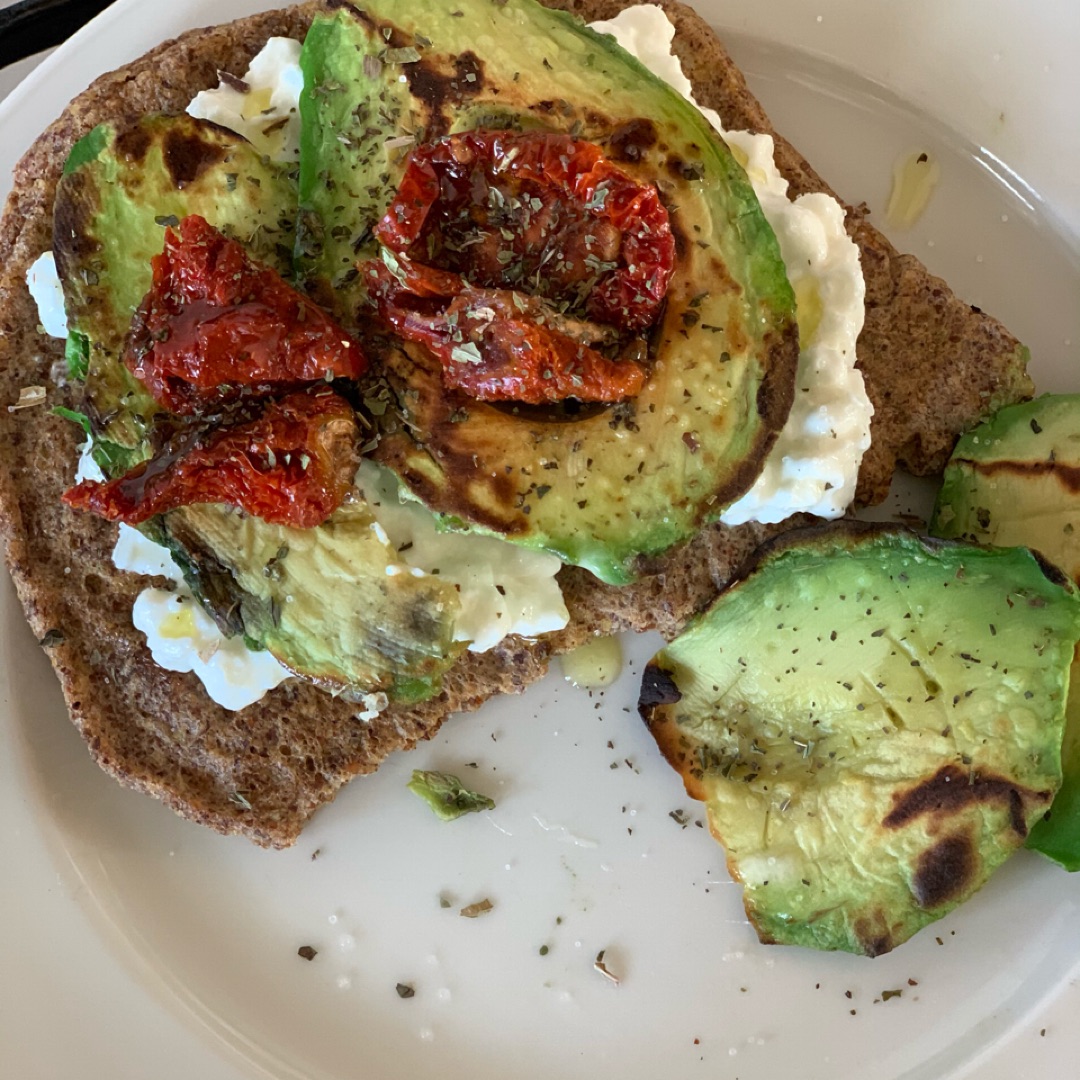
x: 446, y: 794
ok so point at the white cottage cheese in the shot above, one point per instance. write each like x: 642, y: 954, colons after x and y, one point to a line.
x: 265, y: 106
x: 814, y: 465
x: 48, y: 294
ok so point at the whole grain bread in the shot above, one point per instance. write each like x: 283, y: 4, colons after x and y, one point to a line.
x: 933, y: 367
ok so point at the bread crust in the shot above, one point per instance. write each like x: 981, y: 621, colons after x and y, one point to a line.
x: 263, y: 771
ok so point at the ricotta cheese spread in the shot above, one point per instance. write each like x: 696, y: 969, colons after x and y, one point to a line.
x: 44, y: 285
x: 179, y: 634
x: 264, y: 106
x: 814, y: 465
x: 182, y: 637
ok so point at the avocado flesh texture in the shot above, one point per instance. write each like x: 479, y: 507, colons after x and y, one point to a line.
x: 874, y: 722
x: 601, y: 488
x: 299, y: 594
x: 118, y: 191
x: 1013, y: 480
x: 357, y: 632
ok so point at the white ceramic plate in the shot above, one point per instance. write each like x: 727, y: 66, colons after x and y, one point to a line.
x: 133, y: 944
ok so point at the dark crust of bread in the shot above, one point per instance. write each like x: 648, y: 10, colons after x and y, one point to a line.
x: 933, y: 368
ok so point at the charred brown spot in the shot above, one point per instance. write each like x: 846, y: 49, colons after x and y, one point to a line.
x: 682, y: 241
x: 437, y: 89
x: 431, y: 87
x: 465, y: 65
x: 945, y: 871
x: 77, y: 203
x: 1051, y: 572
x: 132, y: 145
x: 657, y: 688
x: 951, y: 790
x: 213, y: 580
x: 596, y: 121
x: 873, y: 934
x: 682, y: 753
x: 187, y: 156
x: 777, y: 391
x: 681, y: 169
x: 502, y: 518
x: 344, y: 5
x: 570, y: 411
x: 631, y: 141
x: 1066, y: 475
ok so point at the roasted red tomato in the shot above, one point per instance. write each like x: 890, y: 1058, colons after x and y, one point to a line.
x: 293, y: 464
x: 546, y: 214
x: 495, y: 344
x: 216, y: 325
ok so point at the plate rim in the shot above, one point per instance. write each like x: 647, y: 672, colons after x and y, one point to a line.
x: 57, y: 70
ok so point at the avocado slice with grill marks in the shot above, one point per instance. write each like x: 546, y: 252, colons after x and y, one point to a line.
x: 1015, y: 479
x: 331, y: 603
x: 119, y: 189
x: 874, y: 722
x: 600, y: 487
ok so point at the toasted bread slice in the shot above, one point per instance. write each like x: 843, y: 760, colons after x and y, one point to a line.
x: 933, y: 368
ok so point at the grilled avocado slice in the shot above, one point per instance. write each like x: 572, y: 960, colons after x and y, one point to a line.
x: 874, y: 722
x: 1014, y: 480
x: 603, y: 486
x: 309, y: 597
x: 329, y: 603
x: 119, y: 189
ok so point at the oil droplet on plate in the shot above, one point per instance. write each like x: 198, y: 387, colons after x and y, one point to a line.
x: 915, y: 176
x: 594, y: 665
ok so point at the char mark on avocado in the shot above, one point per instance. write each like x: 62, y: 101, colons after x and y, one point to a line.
x: 681, y: 169
x: 132, y: 144
x: 874, y: 934
x: 945, y: 871
x: 1052, y: 571
x: 569, y: 411
x: 1066, y: 475
x: 344, y: 5
x: 187, y: 156
x: 658, y: 687
x: 208, y: 578
x: 630, y: 140
x: 75, y: 244
x: 442, y: 91
x: 951, y: 790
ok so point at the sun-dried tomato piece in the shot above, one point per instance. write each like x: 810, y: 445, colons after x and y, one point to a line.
x: 495, y: 344
x: 293, y: 464
x: 216, y: 325
x: 544, y: 213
